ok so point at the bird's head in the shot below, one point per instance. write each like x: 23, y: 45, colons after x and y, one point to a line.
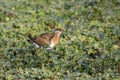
x: 58, y: 31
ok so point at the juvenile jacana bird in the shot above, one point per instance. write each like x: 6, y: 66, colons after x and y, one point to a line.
x: 46, y: 39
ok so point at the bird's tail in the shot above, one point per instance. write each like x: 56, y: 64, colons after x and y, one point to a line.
x: 30, y: 38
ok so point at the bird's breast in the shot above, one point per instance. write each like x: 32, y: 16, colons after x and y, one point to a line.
x: 55, y: 39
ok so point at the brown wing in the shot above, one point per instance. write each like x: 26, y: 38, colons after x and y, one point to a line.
x: 43, y: 39
x: 46, y: 36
